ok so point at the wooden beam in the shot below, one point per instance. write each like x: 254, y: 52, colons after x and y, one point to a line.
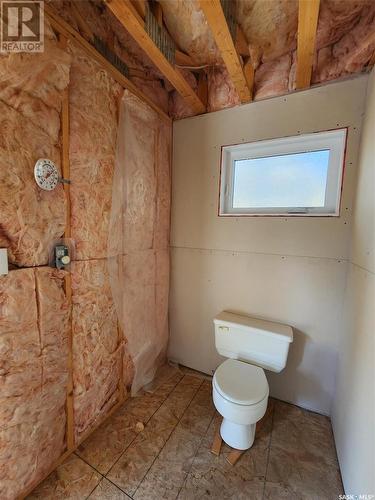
x: 242, y: 47
x: 158, y: 12
x: 184, y: 59
x: 130, y: 22
x: 219, y: 27
x: 308, y: 13
x: 203, y: 87
x: 140, y: 6
x: 249, y: 73
x: 62, y: 27
x: 181, y: 58
x: 82, y: 24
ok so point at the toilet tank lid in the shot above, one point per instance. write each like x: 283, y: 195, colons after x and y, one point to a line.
x: 283, y: 332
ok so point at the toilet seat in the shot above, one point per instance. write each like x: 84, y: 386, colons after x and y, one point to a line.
x: 241, y: 383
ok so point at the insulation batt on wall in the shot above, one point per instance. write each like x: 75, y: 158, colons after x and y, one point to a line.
x: 34, y: 318
x: 35, y: 315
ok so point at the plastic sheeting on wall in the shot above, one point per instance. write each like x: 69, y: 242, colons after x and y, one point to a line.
x: 139, y: 235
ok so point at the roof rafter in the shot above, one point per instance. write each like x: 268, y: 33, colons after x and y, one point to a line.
x: 219, y: 27
x: 308, y: 13
x: 62, y: 27
x: 124, y: 11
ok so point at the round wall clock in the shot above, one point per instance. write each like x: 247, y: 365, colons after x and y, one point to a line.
x: 46, y: 174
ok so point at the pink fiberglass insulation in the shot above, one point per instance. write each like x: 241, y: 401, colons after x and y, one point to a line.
x: 178, y: 107
x: 34, y: 318
x: 188, y: 27
x: 141, y: 197
x: 94, y: 97
x: 270, y: 27
x: 140, y: 189
x: 31, y: 88
x: 145, y: 306
x: 272, y: 78
x: 221, y: 92
x: 352, y: 51
x: 163, y: 183
x: 97, y: 345
x: 108, y: 28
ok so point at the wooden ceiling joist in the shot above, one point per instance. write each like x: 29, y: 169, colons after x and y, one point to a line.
x: 219, y: 27
x: 308, y: 13
x: 123, y: 10
x: 140, y: 6
x: 62, y: 27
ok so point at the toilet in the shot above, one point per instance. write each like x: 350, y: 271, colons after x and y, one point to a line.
x: 240, y: 388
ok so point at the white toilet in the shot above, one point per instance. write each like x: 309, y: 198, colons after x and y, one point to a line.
x: 240, y: 388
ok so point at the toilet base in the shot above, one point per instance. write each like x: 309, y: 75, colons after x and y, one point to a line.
x: 237, y: 436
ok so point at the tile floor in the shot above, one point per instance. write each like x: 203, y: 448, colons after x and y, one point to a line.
x: 293, y: 456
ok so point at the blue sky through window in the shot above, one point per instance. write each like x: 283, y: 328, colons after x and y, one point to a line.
x: 292, y: 180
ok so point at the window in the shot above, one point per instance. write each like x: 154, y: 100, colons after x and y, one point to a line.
x: 299, y: 175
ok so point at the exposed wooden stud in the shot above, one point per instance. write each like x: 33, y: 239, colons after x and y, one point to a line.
x: 249, y: 73
x: 131, y: 23
x: 65, y: 170
x: 158, y: 13
x: 234, y: 456
x: 180, y: 57
x: 203, y: 87
x: 184, y: 59
x: 241, y: 44
x: 308, y: 13
x: 219, y: 27
x: 140, y: 6
x: 82, y: 24
x: 62, y: 27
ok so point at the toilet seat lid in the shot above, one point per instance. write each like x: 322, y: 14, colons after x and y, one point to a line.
x: 240, y: 382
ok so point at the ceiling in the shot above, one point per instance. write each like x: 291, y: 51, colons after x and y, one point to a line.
x: 230, y: 52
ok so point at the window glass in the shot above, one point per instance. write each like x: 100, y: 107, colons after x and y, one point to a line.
x: 291, y: 180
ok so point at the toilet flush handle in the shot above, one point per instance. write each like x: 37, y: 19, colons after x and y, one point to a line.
x: 224, y: 329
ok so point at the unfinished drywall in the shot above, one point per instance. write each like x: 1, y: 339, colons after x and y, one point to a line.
x: 290, y: 270
x: 354, y: 404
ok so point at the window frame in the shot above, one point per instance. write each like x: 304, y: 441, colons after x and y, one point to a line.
x: 333, y: 140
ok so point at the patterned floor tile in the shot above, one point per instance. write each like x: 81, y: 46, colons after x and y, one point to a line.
x: 133, y: 465
x: 302, y: 461
x: 107, y: 491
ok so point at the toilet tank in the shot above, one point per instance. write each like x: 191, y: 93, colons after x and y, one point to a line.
x: 256, y: 341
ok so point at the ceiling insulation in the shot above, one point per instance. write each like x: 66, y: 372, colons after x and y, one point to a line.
x: 345, y: 44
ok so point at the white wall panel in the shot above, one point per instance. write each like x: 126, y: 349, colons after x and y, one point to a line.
x: 354, y: 404
x: 285, y: 269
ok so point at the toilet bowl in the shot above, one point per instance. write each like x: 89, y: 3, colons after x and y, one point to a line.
x: 240, y: 395
x: 239, y: 386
